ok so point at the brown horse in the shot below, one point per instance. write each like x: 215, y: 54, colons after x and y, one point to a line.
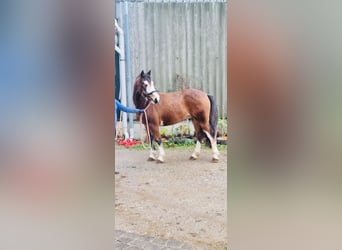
x: 164, y: 109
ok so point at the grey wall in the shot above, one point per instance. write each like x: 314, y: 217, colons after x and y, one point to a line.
x: 188, y: 40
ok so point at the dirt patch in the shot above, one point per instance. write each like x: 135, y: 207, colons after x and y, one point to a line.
x: 179, y: 199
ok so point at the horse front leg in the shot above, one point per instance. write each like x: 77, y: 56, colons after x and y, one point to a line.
x: 161, y: 150
x: 153, y: 152
x: 154, y: 134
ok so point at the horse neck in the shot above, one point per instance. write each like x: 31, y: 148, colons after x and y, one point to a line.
x: 141, y: 102
x: 145, y: 105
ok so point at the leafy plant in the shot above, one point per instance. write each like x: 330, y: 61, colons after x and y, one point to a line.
x: 182, y: 130
x: 222, y: 126
x: 164, y: 133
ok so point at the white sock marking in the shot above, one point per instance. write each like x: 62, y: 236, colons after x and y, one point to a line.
x: 213, y: 145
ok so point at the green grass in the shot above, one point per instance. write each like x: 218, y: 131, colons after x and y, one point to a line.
x: 187, y: 144
x: 221, y: 147
x: 141, y: 147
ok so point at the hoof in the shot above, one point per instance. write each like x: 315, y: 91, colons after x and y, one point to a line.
x: 215, y: 160
x: 150, y: 159
x: 192, y: 158
x: 160, y: 161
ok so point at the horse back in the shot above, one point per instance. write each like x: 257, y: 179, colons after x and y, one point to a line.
x: 178, y: 106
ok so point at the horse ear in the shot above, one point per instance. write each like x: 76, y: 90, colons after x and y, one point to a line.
x: 149, y: 73
x: 142, y: 74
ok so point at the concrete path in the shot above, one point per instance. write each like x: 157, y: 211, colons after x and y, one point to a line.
x: 132, y: 241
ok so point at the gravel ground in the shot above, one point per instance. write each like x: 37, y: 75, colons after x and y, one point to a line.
x: 180, y: 199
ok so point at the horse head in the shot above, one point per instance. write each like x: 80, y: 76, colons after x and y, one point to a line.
x: 144, y: 87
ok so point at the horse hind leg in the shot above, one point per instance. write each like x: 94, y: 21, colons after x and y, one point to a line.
x: 213, y: 143
x: 197, y: 150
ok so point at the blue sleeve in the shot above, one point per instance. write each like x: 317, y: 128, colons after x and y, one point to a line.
x: 123, y: 108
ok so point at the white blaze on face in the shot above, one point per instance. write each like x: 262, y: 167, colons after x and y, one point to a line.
x: 149, y: 89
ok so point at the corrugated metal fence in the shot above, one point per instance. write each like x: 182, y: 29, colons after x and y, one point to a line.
x: 184, y: 44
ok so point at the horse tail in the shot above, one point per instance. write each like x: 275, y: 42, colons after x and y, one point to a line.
x: 213, y: 116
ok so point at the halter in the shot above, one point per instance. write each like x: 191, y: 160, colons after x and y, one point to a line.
x: 153, y: 91
x: 148, y: 95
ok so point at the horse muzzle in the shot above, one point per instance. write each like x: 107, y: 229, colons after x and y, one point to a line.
x: 156, y: 99
x: 153, y: 96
